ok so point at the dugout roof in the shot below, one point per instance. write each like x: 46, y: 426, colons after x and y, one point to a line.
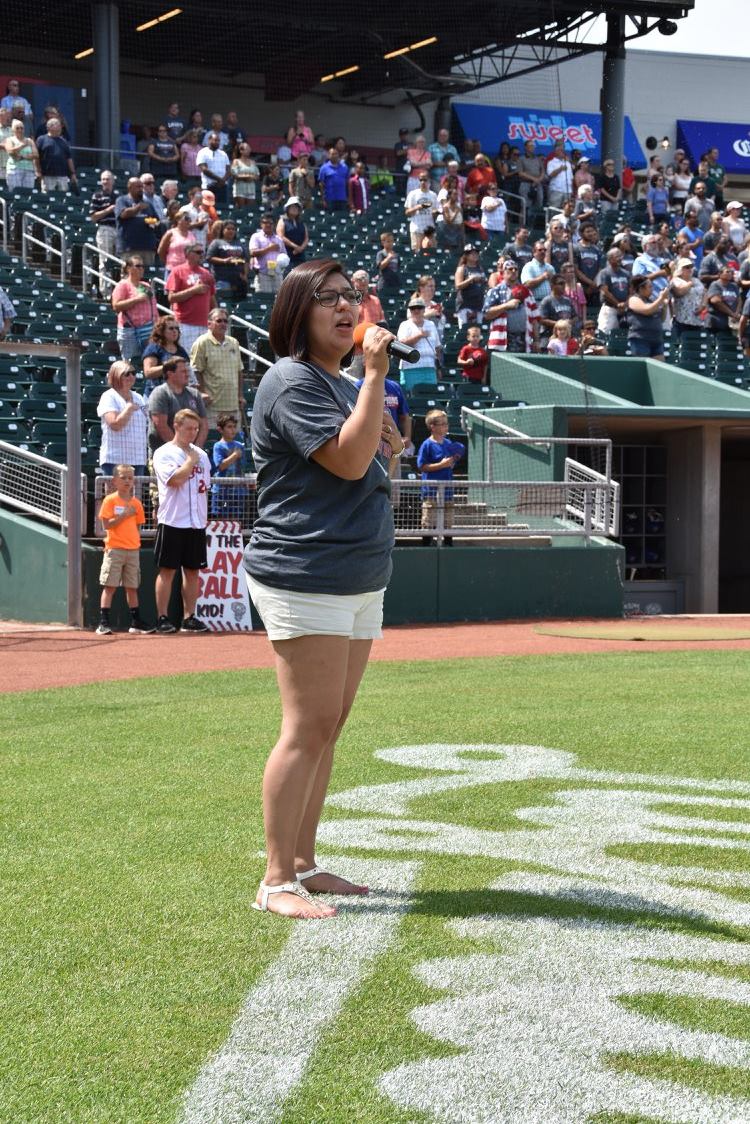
x: 294, y: 45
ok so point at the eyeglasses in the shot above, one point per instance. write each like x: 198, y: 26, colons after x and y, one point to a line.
x: 329, y: 298
x: 130, y: 374
x: 220, y: 320
x: 173, y: 327
x: 137, y: 265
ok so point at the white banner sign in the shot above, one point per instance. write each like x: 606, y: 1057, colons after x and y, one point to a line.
x: 223, y: 601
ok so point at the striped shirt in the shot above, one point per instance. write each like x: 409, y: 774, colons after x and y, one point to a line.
x: 127, y: 445
x: 498, y: 338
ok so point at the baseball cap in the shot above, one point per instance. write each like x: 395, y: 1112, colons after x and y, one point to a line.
x: 292, y: 201
x: 416, y: 302
x: 584, y: 160
x: 734, y: 206
x: 684, y: 263
x: 618, y: 238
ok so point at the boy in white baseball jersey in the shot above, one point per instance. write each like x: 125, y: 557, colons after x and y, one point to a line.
x: 183, y: 474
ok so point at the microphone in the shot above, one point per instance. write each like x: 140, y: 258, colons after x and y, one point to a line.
x: 395, y: 348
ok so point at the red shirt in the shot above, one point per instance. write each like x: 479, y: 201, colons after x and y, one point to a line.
x: 476, y: 372
x: 195, y: 310
x: 478, y: 179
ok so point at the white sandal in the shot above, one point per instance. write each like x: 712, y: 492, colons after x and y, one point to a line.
x: 285, y: 888
x: 311, y: 874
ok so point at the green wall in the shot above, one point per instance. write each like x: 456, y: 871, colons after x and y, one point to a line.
x: 429, y: 585
x: 536, y: 380
x: 616, y: 381
x: 432, y: 586
x: 33, y: 571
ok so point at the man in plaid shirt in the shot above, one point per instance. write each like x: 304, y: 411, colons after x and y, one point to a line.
x: 217, y: 362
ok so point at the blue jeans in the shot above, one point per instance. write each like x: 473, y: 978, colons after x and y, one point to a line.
x: 646, y: 349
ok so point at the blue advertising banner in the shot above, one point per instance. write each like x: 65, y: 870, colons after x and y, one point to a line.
x: 732, y: 141
x: 492, y: 125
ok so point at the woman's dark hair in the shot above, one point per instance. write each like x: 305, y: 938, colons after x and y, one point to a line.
x: 288, y: 328
x: 637, y: 283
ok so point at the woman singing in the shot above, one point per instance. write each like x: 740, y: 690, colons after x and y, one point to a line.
x: 319, y: 558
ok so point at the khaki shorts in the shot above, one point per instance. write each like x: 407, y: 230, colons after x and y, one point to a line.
x: 121, y: 567
x: 287, y: 614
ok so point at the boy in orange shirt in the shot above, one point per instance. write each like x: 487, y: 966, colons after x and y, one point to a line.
x: 121, y: 515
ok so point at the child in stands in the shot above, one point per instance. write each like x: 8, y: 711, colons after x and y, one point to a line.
x: 437, y: 458
x: 473, y: 359
x: 561, y: 341
x: 387, y: 262
x: 227, y: 455
x: 121, y: 515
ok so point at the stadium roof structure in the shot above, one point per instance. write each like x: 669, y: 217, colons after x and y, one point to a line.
x: 439, y: 49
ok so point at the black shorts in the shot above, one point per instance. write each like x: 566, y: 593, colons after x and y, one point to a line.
x: 180, y: 547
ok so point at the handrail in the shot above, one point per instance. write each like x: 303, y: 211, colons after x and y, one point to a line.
x: 606, y: 517
x: 4, y: 223
x: 232, y: 316
x: 26, y: 237
x: 58, y: 517
x: 89, y: 271
x: 467, y: 412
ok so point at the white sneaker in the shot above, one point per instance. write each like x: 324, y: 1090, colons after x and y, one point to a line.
x: 104, y: 630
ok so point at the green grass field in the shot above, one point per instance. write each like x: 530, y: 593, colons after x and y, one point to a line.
x: 132, y: 835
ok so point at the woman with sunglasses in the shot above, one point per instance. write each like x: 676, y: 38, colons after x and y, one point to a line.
x: 319, y: 557
x: 124, y: 420
x: 164, y: 343
x: 134, y: 302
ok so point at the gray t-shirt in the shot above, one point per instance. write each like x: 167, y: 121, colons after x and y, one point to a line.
x: 163, y: 400
x: 315, y: 532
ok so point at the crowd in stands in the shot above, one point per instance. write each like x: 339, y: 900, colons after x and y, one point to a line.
x: 524, y: 279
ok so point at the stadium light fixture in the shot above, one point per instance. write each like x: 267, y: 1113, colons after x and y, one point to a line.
x: 411, y: 47
x: 339, y: 73
x: 159, y: 19
x: 83, y: 54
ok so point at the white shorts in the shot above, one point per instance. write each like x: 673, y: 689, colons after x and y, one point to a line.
x: 287, y: 614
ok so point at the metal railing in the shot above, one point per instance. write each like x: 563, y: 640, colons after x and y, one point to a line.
x: 37, y: 485
x: 4, y: 224
x: 73, y: 517
x: 28, y: 221
x: 436, y: 510
x: 88, y: 271
x: 231, y: 497
x: 91, y: 275
x: 485, y: 509
x: 234, y: 318
x: 586, y: 486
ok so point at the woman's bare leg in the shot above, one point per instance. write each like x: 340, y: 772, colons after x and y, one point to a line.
x: 312, y: 675
x: 359, y: 653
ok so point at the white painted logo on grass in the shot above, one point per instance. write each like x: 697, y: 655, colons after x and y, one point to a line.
x: 537, y: 1019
